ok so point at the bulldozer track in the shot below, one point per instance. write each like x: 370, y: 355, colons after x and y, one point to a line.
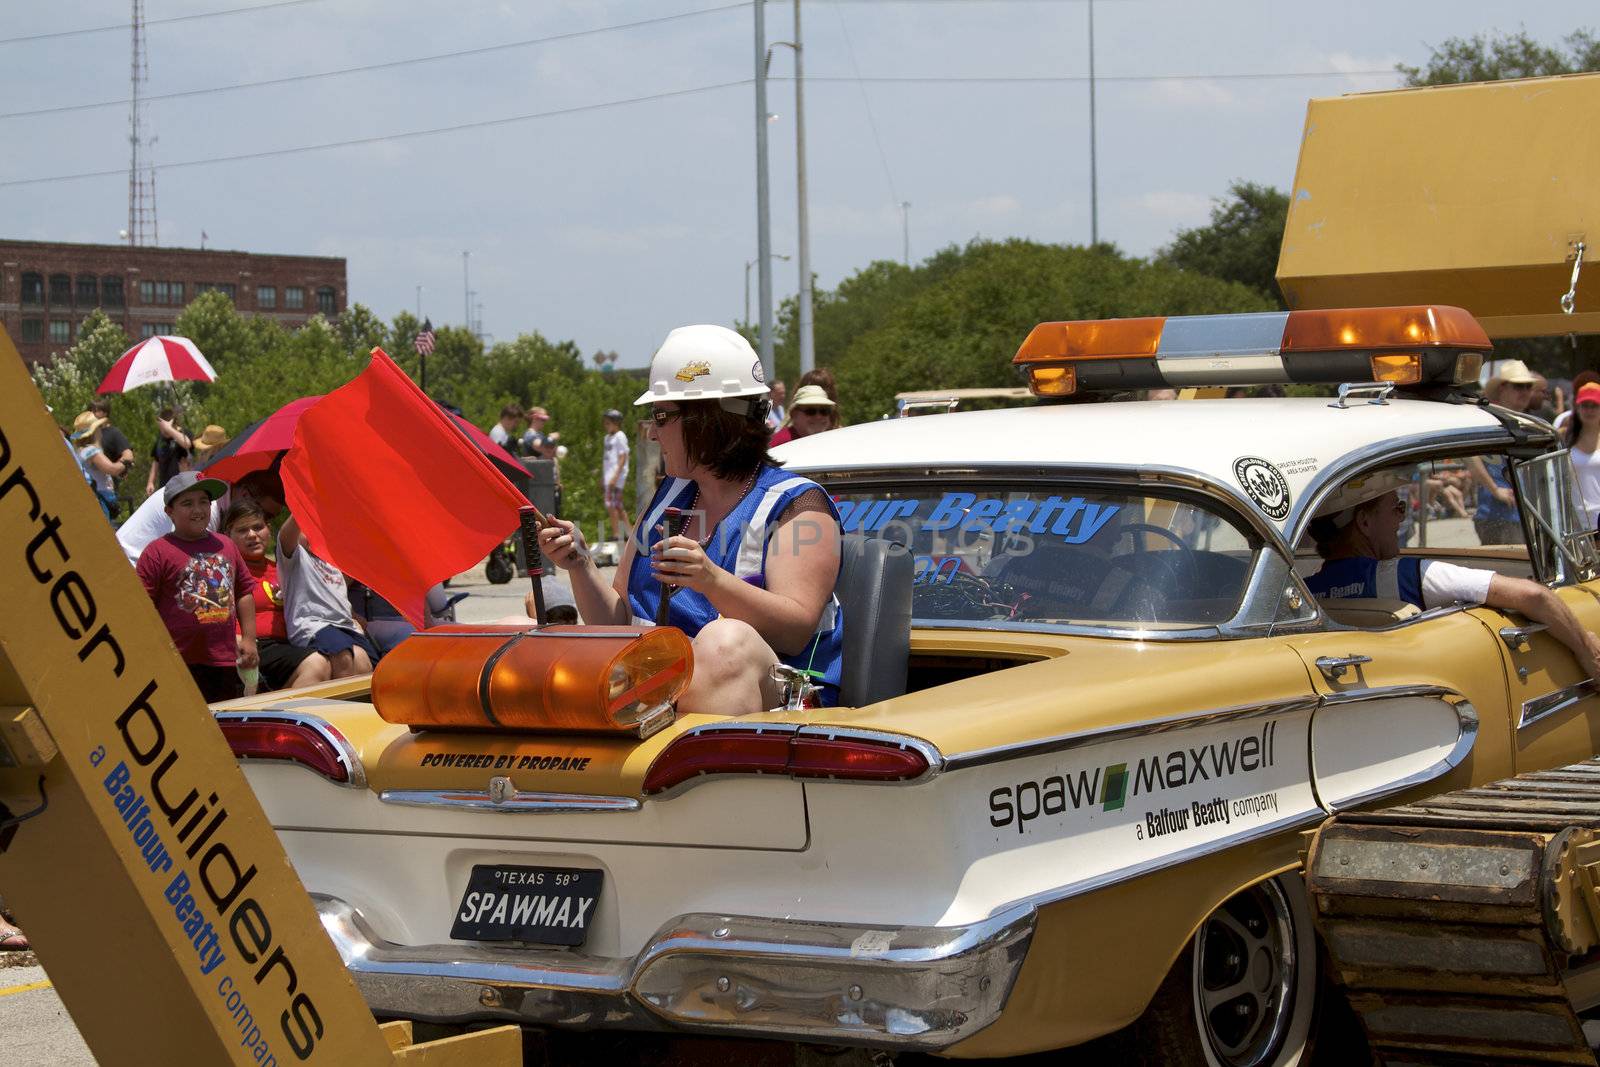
x: 1464, y: 928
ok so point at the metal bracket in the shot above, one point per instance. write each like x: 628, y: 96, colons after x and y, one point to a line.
x: 1569, y: 299
x: 1375, y: 392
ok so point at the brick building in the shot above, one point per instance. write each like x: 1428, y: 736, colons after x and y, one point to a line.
x: 47, y: 289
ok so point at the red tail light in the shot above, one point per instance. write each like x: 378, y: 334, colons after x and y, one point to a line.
x: 797, y: 755
x: 297, y: 742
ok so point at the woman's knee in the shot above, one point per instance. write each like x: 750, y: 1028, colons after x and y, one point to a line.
x: 731, y: 645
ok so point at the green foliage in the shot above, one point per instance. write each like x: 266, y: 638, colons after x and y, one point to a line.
x: 261, y: 366
x: 956, y: 320
x: 1493, y: 58
x: 1240, y: 244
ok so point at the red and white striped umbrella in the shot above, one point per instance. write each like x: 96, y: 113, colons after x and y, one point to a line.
x: 159, y: 359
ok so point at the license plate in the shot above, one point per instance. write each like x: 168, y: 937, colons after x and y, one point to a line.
x: 544, y: 905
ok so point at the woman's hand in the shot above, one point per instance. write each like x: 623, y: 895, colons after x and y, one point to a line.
x: 682, y: 561
x: 562, y: 544
x: 248, y: 655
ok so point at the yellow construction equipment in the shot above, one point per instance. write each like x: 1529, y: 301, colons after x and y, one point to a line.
x: 1474, y: 195
x: 151, y: 885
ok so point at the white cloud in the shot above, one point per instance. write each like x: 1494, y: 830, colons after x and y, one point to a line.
x: 1176, y: 207
x: 1188, y: 93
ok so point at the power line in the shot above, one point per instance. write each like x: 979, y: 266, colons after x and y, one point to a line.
x: 850, y: 48
x: 1023, y: 78
x: 123, y: 26
x: 406, y: 135
x: 388, y: 65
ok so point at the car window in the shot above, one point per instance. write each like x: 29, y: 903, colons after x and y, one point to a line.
x: 1059, y: 554
x: 1463, y: 502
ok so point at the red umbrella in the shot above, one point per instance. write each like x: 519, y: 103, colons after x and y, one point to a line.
x: 157, y: 359
x: 258, y: 446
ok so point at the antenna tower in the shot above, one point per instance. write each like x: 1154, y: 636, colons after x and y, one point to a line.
x: 142, y: 226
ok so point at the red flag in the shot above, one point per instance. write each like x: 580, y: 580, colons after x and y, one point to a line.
x: 388, y: 489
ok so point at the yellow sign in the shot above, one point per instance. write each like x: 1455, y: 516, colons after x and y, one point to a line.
x: 131, y: 847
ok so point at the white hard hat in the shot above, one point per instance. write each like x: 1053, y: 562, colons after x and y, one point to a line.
x: 705, y: 363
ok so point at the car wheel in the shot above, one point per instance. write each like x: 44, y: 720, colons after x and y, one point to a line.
x: 1245, y: 991
x: 497, y: 569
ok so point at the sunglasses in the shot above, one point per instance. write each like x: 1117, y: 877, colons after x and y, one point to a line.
x: 661, y: 417
x: 813, y: 411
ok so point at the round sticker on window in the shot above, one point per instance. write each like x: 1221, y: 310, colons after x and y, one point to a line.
x: 758, y: 374
x: 1265, y: 484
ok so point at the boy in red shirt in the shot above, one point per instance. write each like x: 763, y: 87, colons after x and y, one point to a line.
x: 283, y: 665
x: 199, y: 583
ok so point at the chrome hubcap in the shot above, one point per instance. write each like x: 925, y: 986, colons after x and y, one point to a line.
x: 1244, y: 976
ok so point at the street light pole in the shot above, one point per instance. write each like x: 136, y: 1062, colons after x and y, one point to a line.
x: 808, y: 352
x: 763, y: 208
x: 905, y: 232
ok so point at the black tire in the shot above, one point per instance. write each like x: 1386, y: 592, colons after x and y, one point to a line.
x: 497, y: 568
x: 1244, y: 993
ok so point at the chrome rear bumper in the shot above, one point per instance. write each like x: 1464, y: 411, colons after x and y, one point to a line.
x: 894, y: 987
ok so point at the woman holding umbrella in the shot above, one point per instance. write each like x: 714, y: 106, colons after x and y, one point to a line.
x: 86, y: 429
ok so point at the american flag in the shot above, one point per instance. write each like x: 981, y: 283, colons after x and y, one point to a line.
x: 424, y: 340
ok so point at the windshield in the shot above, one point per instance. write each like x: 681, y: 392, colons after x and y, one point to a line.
x: 1059, y: 554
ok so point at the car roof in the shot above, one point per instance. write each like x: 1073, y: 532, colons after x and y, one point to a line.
x: 1222, y: 441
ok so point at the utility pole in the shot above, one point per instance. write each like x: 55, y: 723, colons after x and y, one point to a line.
x: 747, y: 265
x: 763, y: 208
x: 905, y: 232
x: 808, y: 350
x: 1094, y: 172
x: 466, y: 293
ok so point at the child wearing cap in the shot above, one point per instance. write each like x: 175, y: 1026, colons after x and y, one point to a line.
x: 200, y: 584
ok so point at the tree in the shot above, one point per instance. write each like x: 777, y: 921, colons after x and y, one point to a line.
x: 1241, y: 243
x: 1494, y: 58
x: 959, y: 322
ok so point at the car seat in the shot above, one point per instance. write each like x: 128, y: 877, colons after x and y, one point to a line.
x: 874, y: 591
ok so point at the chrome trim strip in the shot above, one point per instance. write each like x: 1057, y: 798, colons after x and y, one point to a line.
x: 1066, y: 742
x: 1466, y: 738
x: 1157, y: 863
x: 1559, y: 700
x: 518, y: 803
x: 1385, y: 454
x: 349, y: 758
x: 895, y: 987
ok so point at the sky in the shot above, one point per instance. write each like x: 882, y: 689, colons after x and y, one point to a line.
x: 601, y: 166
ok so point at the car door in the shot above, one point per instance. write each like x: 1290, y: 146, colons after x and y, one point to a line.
x: 1415, y: 708
x: 1555, y: 710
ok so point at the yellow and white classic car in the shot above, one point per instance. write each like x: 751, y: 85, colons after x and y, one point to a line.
x: 1090, y: 708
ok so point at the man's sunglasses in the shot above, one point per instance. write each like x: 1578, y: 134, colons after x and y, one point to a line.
x: 813, y: 411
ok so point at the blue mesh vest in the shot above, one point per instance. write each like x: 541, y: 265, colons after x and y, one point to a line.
x: 738, y: 546
x: 1363, y: 576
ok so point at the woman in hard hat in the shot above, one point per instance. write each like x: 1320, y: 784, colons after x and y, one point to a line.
x: 755, y: 566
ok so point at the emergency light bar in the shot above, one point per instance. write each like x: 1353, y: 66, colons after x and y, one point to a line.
x: 1430, y: 344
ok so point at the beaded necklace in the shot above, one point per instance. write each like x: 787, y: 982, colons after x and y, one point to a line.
x: 748, y: 485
